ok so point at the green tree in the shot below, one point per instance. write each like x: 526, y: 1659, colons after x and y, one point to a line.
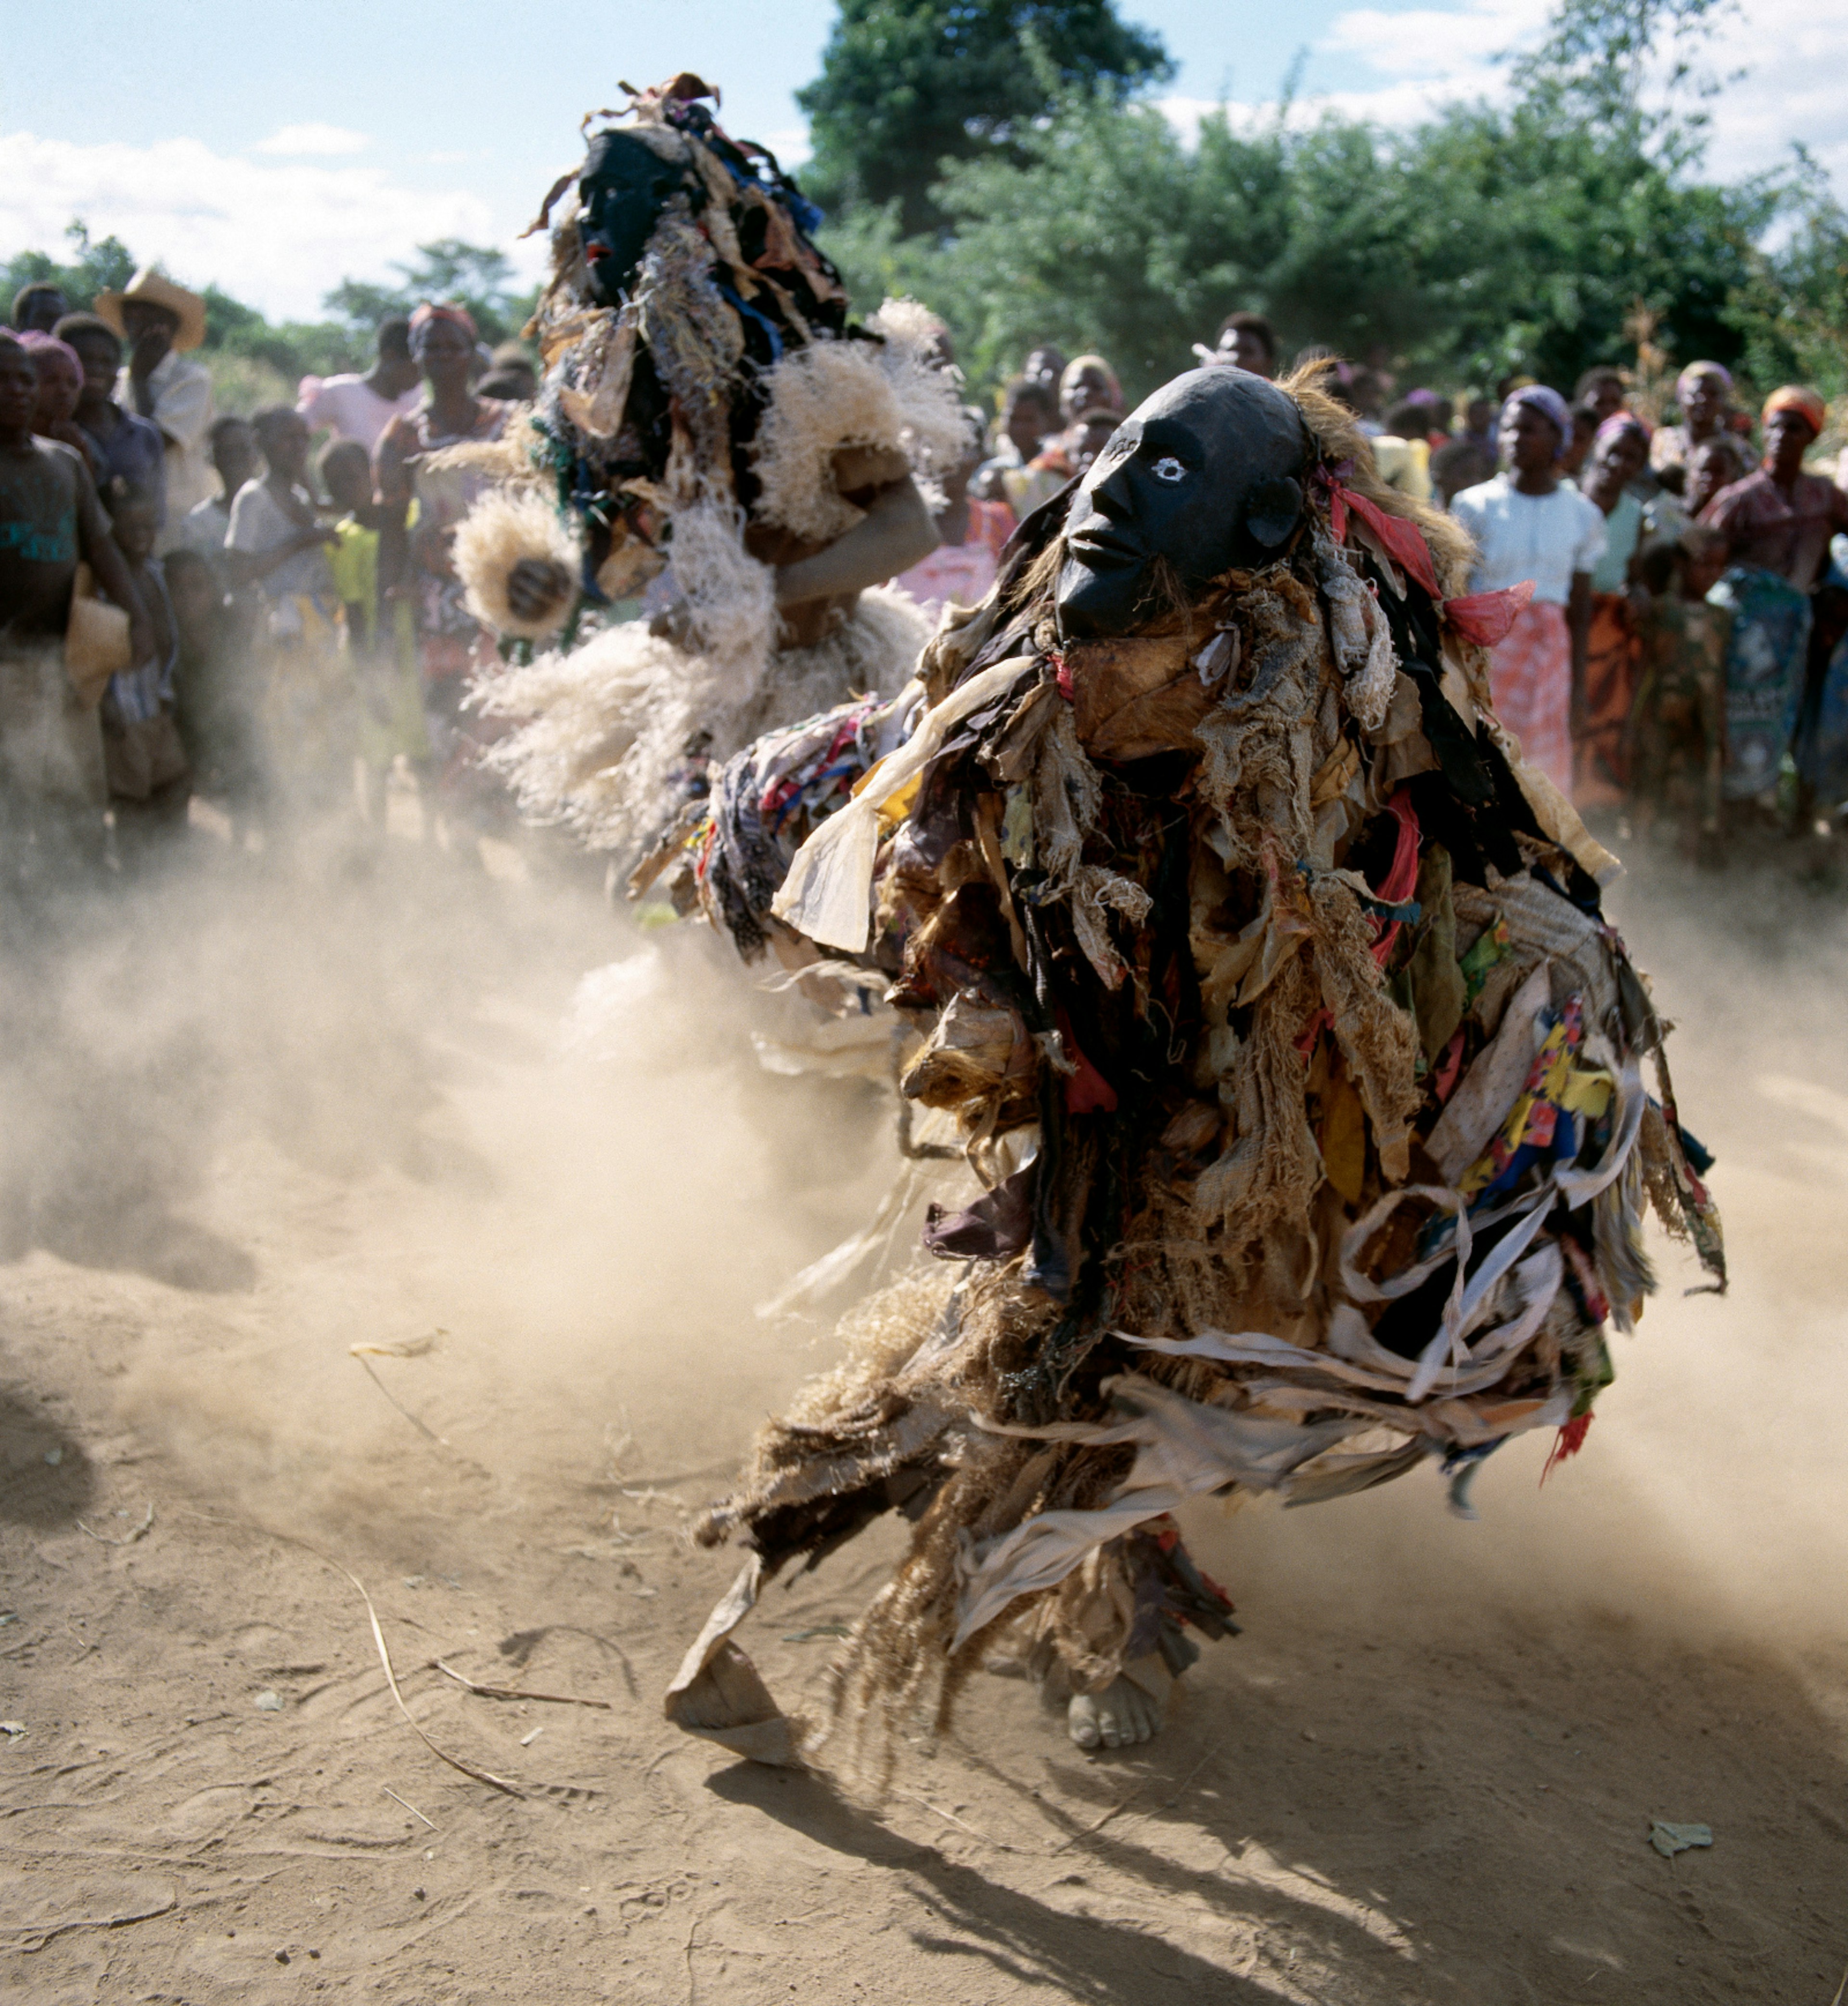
x: 476, y: 276
x: 906, y: 85
x: 1526, y: 235
x: 256, y: 360
x: 92, y: 267
x: 1539, y: 236
x: 291, y: 348
x: 1793, y: 313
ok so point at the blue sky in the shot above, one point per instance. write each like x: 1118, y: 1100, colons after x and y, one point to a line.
x: 277, y: 149
x: 455, y: 79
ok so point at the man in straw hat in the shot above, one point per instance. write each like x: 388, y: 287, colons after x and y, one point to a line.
x: 161, y: 322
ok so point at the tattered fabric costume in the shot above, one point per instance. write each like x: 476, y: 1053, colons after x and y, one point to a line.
x: 1306, y: 1079
x: 706, y: 402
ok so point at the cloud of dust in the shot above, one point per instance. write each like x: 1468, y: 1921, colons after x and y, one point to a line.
x: 370, y: 1097
x: 276, y: 1106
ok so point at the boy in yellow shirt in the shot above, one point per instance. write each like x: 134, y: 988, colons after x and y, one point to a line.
x: 380, y: 639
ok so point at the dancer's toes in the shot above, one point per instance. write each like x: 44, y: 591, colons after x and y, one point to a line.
x: 1121, y: 1716
x: 1081, y: 1723
x: 1148, y: 1716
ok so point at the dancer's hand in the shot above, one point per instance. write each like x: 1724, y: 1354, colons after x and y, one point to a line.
x: 537, y: 587
x: 674, y: 623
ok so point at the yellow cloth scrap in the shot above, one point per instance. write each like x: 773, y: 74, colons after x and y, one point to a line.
x: 1344, y: 1140
x: 1579, y: 1090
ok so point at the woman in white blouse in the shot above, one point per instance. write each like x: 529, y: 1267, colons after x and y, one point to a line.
x: 1528, y: 523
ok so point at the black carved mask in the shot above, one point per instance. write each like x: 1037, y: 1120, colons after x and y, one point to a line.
x: 1207, y: 474
x: 624, y: 186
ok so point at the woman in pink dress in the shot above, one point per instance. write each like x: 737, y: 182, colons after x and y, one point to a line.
x: 1531, y: 527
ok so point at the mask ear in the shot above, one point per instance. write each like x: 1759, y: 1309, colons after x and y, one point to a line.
x: 1274, y: 510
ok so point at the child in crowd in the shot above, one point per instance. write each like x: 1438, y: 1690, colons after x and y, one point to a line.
x: 1600, y: 728
x: 126, y: 446
x: 1028, y: 413
x: 1089, y: 394
x: 52, y: 790
x: 1468, y: 460
x: 1402, y: 453
x: 1677, y: 749
x: 1580, y: 443
x: 1711, y: 468
x: 380, y: 639
x: 346, y: 479
x: 276, y: 551
x: 144, y: 758
x: 213, y: 691
x: 205, y: 525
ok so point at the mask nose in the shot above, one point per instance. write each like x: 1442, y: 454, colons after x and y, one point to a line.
x: 1113, y: 498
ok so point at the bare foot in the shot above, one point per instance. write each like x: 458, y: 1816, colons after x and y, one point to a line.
x: 1119, y: 1717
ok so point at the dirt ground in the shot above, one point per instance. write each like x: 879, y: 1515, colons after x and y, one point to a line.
x: 271, y: 1116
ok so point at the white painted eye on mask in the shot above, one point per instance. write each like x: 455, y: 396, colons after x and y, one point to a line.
x: 1169, y: 469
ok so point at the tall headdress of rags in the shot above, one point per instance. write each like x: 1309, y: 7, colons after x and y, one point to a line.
x: 706, y: 403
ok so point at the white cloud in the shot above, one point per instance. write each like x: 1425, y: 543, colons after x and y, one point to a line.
x: 789, y: 143
x: 278, y: 234
x: 1435, y: 42
x: 1793, y: 54
x: 303, y: 140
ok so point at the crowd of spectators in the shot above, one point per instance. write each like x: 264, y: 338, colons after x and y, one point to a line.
x: 261, y: 612
x: 1683, y: 662
x: 265, y: 602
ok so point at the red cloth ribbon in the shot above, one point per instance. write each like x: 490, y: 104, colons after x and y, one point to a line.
x: 1567, y: 1442
x: 1484, y: 617
x: 1401, y: 880
x: 1087, y: 1091
x: 1407, y: 549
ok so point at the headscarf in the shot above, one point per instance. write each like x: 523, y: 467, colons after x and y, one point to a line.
x: 35, y: 341
x: 1077, y: 367
x: 1693, y: 372
x: 1805, y: 402
x: 1551, y: 405
x: 1619, y: 422
x: 432, y: 311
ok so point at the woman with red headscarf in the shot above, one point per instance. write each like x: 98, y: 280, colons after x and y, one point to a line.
x: 1777, y: 522
x: 415, y: 558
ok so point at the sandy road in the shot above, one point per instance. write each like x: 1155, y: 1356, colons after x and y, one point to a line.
x: 1426, y: 1772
